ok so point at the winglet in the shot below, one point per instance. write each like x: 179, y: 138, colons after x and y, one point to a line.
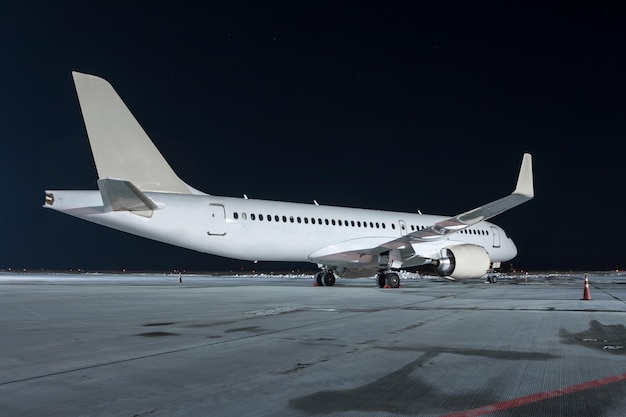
x: 525, y: 179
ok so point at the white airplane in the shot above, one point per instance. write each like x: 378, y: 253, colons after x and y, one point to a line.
x: 139, y: 193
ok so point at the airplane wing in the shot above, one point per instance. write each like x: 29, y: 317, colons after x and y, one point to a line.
x: 362, y: 251
x: 523, y: 192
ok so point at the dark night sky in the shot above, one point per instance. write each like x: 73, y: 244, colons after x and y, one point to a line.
x: 396, y: 106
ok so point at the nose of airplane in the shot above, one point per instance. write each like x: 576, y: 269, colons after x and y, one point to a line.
x: 511, y: 249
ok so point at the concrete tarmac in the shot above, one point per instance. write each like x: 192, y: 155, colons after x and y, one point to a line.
x: 147, y: 345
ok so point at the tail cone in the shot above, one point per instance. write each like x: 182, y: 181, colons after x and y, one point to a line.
x: 586, y: 293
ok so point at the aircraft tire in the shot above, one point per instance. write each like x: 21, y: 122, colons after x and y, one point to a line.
x: 318, y: 278
x: 392, y: 279
x: 328, y: 279
x: 380, y: 280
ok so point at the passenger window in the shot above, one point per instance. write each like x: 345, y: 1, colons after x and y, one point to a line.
x: 253, y: 216
x: 243, y: 216
x: 333, y: 221
x: 284, y: 219
x: 312, y: 220
x: 306, y: 220
x: 277, y: 218
x: 269, y: 217
x: 291, y: 219
x: 299, y: 219
x: 235, y: 215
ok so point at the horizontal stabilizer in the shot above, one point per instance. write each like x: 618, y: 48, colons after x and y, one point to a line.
x: 122, y: 195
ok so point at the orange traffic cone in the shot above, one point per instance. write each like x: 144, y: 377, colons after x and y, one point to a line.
x: 586, y: 293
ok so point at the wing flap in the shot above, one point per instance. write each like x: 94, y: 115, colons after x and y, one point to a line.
x: 358, y: 251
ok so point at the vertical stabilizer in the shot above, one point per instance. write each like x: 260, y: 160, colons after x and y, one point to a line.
x: 120, y: 147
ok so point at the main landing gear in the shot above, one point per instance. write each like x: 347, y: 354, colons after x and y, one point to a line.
x: 384, y: 279
x: 388, y: 279
x: 325, y: 278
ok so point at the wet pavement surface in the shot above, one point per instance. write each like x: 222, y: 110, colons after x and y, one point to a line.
x: 147, y: 345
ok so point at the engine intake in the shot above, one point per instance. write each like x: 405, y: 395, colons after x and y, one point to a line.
x: 463, y: 261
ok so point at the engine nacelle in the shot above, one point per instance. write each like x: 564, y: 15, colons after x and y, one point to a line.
x: 463, y: 261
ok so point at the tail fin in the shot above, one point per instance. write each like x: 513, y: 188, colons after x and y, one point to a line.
x: 120, y: 147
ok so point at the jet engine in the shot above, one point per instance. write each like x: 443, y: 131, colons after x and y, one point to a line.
x: 463, y: 261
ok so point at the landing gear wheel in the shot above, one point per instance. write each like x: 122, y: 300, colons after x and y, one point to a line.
x: 380, y: 279
x: 392, y: 279
x: 328, y: 279
x: 388, y: 280
x: 318, y: 278
x: 492, y: 279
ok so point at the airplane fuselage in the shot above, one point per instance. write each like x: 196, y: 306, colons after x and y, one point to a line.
x: 260, y: 230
